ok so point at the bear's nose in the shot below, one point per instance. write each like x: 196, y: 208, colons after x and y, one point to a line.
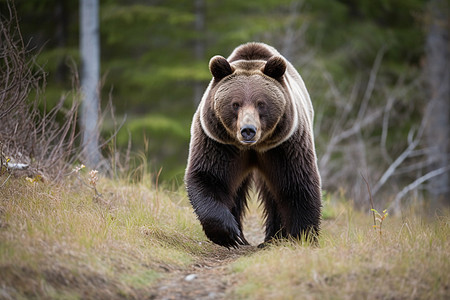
x: 248, y: 132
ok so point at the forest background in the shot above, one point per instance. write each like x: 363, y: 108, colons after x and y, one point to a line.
x: 365, y: 64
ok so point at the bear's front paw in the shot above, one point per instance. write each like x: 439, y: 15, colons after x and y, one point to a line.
x: 225, y: 234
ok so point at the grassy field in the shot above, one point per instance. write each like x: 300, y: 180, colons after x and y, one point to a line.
x: 137, y: 241
x: 409, y: 260
x: 62, y: 242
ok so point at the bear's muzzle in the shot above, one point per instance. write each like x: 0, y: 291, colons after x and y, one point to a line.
x: 249, y: 126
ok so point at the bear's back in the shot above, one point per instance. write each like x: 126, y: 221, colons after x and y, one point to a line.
x: 252, y: 51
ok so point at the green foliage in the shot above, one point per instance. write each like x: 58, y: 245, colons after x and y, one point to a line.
x: 150, y: 65
x: 328, y: 210
x: 164, y: 138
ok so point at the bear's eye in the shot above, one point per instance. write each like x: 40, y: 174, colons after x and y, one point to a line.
x: 261, y: 105
x: 236, y: 105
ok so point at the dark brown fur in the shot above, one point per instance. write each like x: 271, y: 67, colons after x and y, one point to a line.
x: 254, y: 94
x: 251, y: 51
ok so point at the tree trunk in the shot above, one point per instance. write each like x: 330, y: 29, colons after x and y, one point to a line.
x: 438, y: 108
x: 90, y: 60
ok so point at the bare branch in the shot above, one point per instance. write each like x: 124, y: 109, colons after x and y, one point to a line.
x: 412, y: 144
x: 415, y: 184
x: 400, y: 159
x: 371, y: 83
x: 29, y: 136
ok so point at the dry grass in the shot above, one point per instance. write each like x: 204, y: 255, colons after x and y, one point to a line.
x: 59, y: 241
x: 409, y: 261
x: 56, y: 241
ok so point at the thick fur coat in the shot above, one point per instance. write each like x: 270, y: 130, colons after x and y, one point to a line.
x: 254, y: 124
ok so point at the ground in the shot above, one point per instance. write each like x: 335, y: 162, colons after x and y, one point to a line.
x: 209, y: 278
x: 138, y: 241
x: 206, y: 279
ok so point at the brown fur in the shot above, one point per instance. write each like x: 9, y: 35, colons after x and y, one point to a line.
x: 254, y: 123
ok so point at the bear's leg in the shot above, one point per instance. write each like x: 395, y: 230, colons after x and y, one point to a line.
x: 300, y: 207
x: 274, y: 229
x: 300, y: 226
x: 211, y: 201
x: 295, y: 182
x: 211, y: 181
x: 240, y: 205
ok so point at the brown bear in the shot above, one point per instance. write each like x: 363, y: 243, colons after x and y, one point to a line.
x: 254, y: 124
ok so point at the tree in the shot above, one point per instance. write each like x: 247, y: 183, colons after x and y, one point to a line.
x: 438, y: 107
x: 90, y: 57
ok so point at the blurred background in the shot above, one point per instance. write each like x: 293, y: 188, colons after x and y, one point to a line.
x: 372, y: 68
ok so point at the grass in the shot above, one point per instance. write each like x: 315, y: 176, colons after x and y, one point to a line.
x: 58, y: 242
x: 409, y: 261
x: 61, y: 242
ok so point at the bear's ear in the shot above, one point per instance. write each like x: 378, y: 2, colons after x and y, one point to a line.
x: 275, y: 67
x: 219, y: 67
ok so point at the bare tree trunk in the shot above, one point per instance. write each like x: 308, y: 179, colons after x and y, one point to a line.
x: 90, y: 58
x: 438, y: 108
x: 199, y: 50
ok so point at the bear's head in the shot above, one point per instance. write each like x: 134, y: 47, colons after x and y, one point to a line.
x: 250, y: 99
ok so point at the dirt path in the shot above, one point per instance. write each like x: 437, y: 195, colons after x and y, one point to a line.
x: 209, y: 278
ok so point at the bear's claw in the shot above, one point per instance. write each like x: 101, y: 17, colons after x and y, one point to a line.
x: 226, y: 236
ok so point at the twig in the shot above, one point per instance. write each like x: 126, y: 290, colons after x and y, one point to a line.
x: 370, y: 84
x: 4, y: 182
x: 35, y: 137
x: 157, y: 190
